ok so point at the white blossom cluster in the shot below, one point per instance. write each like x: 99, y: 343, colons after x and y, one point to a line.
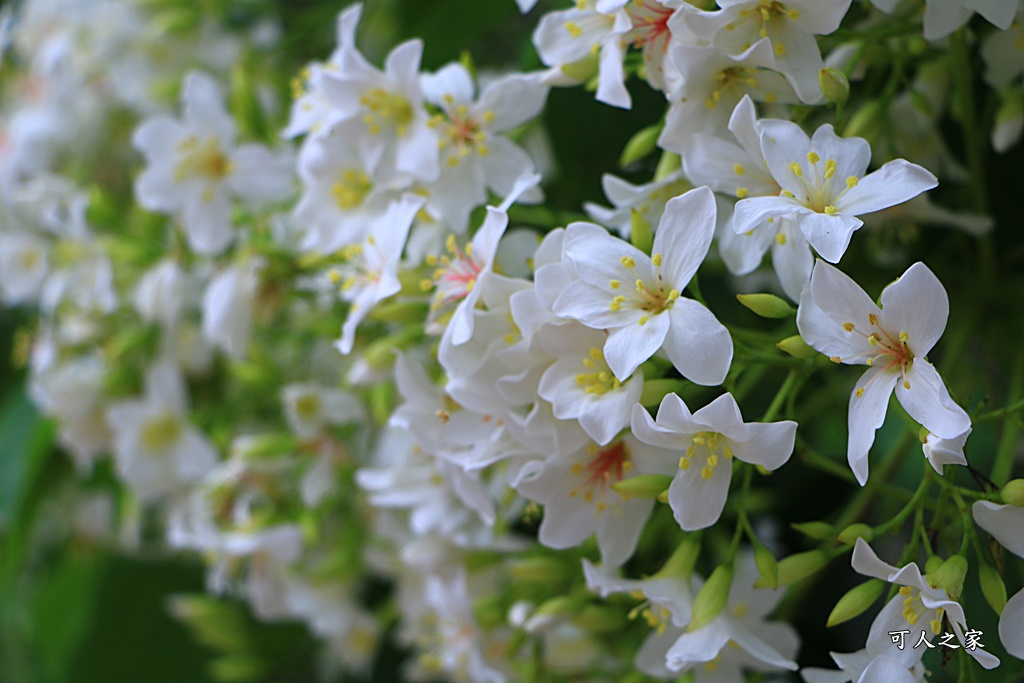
x: 321, y: 355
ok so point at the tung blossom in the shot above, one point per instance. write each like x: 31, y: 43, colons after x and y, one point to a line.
x: 839, y: 319
x: 825, y: 185
x: 637, y: 297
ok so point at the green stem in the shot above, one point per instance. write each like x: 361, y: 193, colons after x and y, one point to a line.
x: 912, y: 505
x: 780, y: 396
x: 1003, y: 466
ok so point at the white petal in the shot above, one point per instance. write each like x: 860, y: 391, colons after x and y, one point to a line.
x: 260, y: 175
x: 769, y: 444
x: 513, y: 100
x: 782, y: 143
x: 866, y: 562
x: 752, y: 212
x: 894, y: 183
x: 611, y: 79
x: 917, y: 304
x: 758, y: 649
x: 698, y: 345
x: 792, y: 260
x: 208, y: 222
x: 684, y: 234
x: 697, y: 502
x: 829, y: 235
x: 628, y: 347
x: 1011, y: 626
x: 867, y: 413
x: 204, y: 108
x: 1004, y: 522
x: 886, y: 669
x: 929, y: 403
x: 701, y: 645
x: 448, y: 87
x: 851, y: 155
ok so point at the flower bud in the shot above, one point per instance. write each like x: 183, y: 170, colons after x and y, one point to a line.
x: 950, y: 576
x: 1013, y: 492
x: 643, y: 485
x: 932, y: 564
x: 796, y: 347
x: 767, y: 565
x: 682, y: 561
x: 819, y: 531
x: 582, y: 70
x: 797, y: 567
x: 1009, y: 120
x: 712, y: 598
x: 640, y: 145
x: 855, y: 531
x: 600, y: 619
x: 669, y: 163
x: 834, y: 85
x: 538, y: 569
x: 554, y: 611
x: 992, y: 587
x: 381, y: 399
x: 640, y: 233
x: 766, y: 305
x: 856, y: 600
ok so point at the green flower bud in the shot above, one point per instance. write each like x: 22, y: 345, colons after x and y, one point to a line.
x: 767, y: 565
x: 245, y: 104
x: 856, y: 600
x: 1013, y: 492
x: 538, y: 569
x: 656, y: 389
x: 819, y: 531
x: 712, y: 598
x: 555, y: 610
x: 855, y: 531
x: 669, y: 163
x: 950, y: 576
x: 582, y: 70
x: 766, y: 305
x: 682, y: 560
x: 640, y: 233
x: 643, y: 485
x: 992, y: 587
x: 932, y: 564
x: 381, y: 400
x: 640, y: 145
x: 834, y: 85
x: 797, y: 567
x: 796, y: 347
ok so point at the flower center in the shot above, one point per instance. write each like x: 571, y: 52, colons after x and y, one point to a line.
x: 816, y: 185
x: 891, y: 349
x: 649, y: 297
x: 307, y: 406
x: 161, y: 432
x: 201, y: 159
x: 607, y: 466
x: 731, y: 81
x: 706, y: 448
x: 650, y: 22
x: 764, y: 19
x: 461, y: 134
x: 914, y: 609
x: 456, y: 275
x: 385, y: 108
x: 600, y: 380
x: 351, y: 189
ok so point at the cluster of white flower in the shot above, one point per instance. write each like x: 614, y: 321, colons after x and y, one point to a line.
x: 322, y: 356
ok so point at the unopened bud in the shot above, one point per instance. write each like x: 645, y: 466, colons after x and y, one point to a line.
x: 855, y: 531
x: 554, y: 611
x: 766, y: 305
x: 669, y: 163
x: 582, y: 70
x: 381, y: 399
x: 796, y: 347
x: 640, y: 145
x: 932, y: 564
x: 712, y: 598
x: 600, y: 619
x: 767, y: 565
x: 640, y: 233
x: 1009, y: 120
x: 834, y: 85
x: 797, y: 567
x: 643, y: 485
x: 992, y: 587
x: 1013, y: 492
x: 538, y: 569
x: 950, y: 576
x: 819, y: 531
x: 856, y: 601
x: 682, y: 561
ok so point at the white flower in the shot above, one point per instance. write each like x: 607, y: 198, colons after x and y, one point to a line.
x: 371, y: 274
x: 708, y: 441
x: 578, y: 498
x: 647, y: 200
x: 160, y: 294
x: 227, y: 307
x: 155, y: 448
x: 824, y: 185
x: 475, y: 156
x: 1006, y: 524
x: 838, y: 319
x: 866, y: 666
x: 790, y: 26
x: 637, y: 297
x: 941, y: 451
x: 24, y: 263
x: 918, y: 602
x: 193, y: 167
x: 311, y: 407
x: 942, y: 17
